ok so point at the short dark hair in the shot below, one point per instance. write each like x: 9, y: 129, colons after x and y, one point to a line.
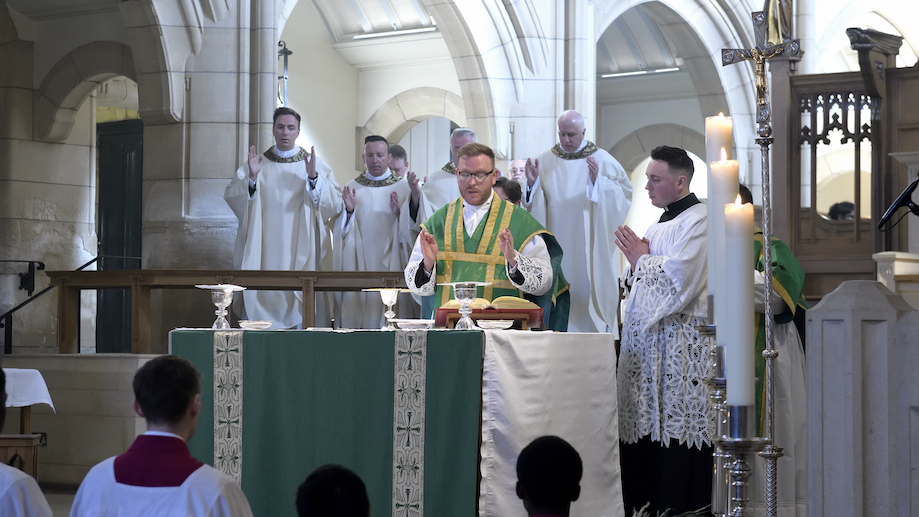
x: 375, y: 138
x: 677, y: 160
x: 839, y: 210
x: 285, y: 111
x: 745, y: 195
x: 475, y: 149
x: 164, y: 387
x: 332, y: 491
x: 397, y: 151
x: 549, y: 470
x: 511, y: 189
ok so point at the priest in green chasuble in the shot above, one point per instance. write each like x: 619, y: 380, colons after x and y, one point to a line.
x: 482, y: 238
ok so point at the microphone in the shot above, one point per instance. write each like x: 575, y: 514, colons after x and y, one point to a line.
x: 905, y: 199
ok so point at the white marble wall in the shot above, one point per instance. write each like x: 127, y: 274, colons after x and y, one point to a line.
x: 862, y: 403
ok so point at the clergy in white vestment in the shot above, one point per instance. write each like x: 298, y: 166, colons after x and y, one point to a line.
x: 581, y: 193
x: 368, y: 236
x: 284, y: 199
x: 438, y: 188
x: 665, y: 421
x: 157, y: 475
x: 19, y: 493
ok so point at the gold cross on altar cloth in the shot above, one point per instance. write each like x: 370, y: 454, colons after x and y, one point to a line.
x: 759, y: 54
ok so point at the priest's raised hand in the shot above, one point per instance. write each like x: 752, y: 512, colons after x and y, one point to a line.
x: 506, y: 240
x: 428, y: 249
x: 255, y: 163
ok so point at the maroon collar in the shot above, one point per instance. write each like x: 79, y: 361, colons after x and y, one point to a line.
x: 155, y: 461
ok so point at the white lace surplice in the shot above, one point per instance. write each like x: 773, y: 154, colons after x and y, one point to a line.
x: 663, y: 360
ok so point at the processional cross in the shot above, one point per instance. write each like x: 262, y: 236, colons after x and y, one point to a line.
x: 739, y: 445
x: 759, y: 54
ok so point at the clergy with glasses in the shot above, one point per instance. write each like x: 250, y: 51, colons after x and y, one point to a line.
x: 482, y: 238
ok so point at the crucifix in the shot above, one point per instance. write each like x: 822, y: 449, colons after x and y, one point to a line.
x: 759, y: 54
x: 738, y: 444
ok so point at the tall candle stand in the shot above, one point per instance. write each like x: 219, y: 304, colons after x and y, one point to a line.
x: 716, y: 384
x: 739, y: 443
x: 759, y: 54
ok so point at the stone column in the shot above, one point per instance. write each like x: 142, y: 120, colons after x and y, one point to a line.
x: 579, y: 63
x: 47, y: 195
x: 230, y: 89
x: 862, y: 403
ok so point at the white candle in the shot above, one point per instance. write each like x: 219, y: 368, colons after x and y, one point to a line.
x: 718, y: 141
x: 718, y: 136
x: 723, y: 185
x: 738, y: 324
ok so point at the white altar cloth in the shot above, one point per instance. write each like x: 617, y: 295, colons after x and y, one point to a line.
x: 539, y: 383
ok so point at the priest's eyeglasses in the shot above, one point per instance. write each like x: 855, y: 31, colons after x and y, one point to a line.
x: 479, y: 176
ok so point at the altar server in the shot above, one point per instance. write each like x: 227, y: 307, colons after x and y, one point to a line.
x: 157, y: 475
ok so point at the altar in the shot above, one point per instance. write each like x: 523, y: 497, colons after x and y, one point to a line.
x: 432, y: 421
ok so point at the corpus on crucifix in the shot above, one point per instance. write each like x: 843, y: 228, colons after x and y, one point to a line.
x: 759, y: 54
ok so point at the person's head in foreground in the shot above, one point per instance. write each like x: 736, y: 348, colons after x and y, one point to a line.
x: 508, y: 190
x: 475, y: 172
x: 669, y: 174
x: 549, y: 476
x: 167, y: 393
x: 332, y: 491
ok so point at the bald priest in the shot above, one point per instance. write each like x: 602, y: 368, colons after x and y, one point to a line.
x: 479, y: 237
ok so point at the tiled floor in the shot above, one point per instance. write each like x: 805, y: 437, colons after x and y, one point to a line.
x: 60, y: 501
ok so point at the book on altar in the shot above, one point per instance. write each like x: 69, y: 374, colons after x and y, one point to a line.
x: 501, y: 302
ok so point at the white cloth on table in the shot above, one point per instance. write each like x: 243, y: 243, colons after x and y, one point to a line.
x: 206, y: 492
x: 547, y: 383
x: 25, y: 387
x: 20, y: 495
x: 583, y: 217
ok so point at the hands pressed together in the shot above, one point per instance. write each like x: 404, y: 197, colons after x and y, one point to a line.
x: 631, y: 245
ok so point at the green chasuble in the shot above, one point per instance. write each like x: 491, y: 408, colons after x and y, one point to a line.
x: 479, y: 259
x: 788, y: 282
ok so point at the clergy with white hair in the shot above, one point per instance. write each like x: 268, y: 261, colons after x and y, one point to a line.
x: 581, y: 194
x: 439, y: 188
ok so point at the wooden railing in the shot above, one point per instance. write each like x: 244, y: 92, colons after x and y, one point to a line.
x: 141, y: 281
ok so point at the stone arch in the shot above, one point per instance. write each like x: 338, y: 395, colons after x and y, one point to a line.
x: 702, y: 30
x: 637, y: 145
x: 72, y: 79
x: 397, y: 115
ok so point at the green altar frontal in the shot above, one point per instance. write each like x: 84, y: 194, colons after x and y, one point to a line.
x: 401, y: 409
